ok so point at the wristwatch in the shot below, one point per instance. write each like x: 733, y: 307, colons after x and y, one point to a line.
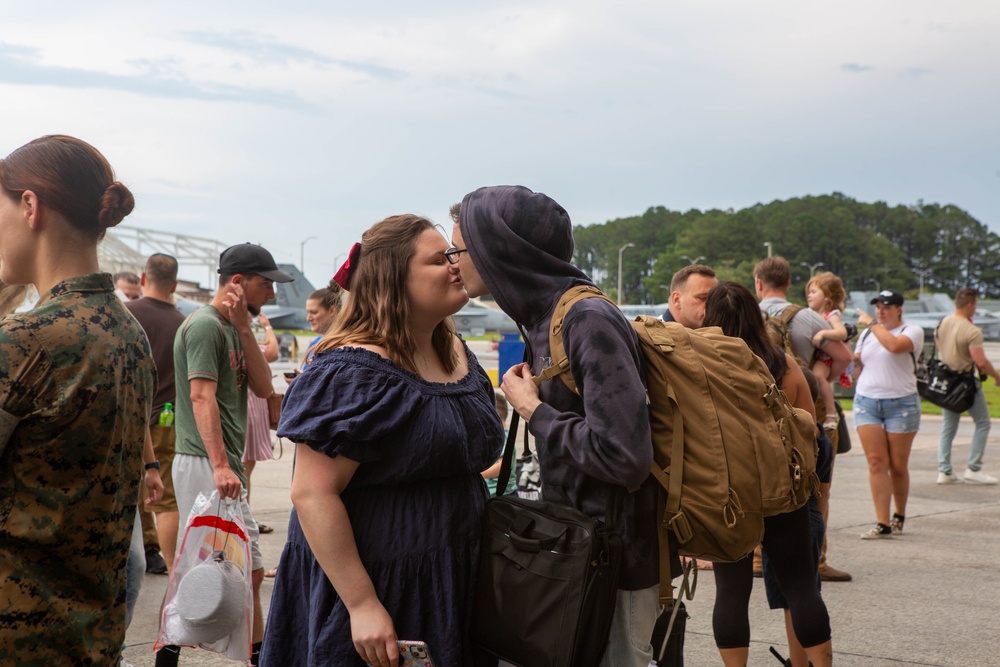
x: 154, y: 464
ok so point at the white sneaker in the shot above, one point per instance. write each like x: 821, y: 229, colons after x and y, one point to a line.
x: 948, y: 478
x: 979, y: 477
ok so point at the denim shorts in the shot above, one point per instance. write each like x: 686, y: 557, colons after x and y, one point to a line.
x: 895, y: 415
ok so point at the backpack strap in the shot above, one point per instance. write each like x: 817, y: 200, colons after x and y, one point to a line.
x: 560, y: 362
x: 782, y: 322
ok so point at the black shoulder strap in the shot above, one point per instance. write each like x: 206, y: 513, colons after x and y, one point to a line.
x: 508, y: 453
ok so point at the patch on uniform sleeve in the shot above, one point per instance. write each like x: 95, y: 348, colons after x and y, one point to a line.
x: 8, y: 423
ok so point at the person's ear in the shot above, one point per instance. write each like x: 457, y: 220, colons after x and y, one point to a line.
x: 31, y: 209
x: 236, y: 279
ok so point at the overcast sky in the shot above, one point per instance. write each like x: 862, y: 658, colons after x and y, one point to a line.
x: 273, y: 122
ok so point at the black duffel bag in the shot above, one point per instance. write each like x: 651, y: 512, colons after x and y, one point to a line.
x: 548, y: 579
x: 946, y: 388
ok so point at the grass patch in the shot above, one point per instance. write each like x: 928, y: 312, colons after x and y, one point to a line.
x: 989, y: 388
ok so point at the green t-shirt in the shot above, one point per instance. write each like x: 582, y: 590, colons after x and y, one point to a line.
x: 208, y: 347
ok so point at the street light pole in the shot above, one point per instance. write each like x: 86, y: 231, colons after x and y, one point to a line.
x: 922, y: 273
x: 620, y: 251
x: 693, y: 261
x: 769, y: 248
x: 812, y: 267
x: 302, y: 253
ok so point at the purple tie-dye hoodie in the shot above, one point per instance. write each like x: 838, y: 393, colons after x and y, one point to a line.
x: 521, y: 242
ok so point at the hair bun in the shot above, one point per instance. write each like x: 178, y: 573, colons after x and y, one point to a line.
x: 116, y: 202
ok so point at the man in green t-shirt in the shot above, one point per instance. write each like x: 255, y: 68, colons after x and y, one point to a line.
x: 216, y: 359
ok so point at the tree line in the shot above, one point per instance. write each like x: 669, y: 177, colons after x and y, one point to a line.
x: 870, y: 246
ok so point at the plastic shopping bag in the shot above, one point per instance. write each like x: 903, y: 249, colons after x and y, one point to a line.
x: 209, y: 600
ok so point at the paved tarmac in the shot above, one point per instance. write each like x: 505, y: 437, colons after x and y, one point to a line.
x: 928, y: 597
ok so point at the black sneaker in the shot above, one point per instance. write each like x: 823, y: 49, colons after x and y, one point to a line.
x: 155, y: 563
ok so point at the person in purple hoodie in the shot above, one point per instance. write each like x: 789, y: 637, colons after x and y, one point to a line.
x: 517, y: 245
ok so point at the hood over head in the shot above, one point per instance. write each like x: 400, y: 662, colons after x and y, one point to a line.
x: 521, y: 243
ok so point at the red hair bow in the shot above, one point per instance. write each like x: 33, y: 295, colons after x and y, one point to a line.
x: 343, y: 275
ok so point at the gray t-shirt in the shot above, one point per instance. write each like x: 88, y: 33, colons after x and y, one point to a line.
x: 802, y: 328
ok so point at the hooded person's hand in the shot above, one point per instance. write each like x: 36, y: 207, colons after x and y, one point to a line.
x: 519, y: 389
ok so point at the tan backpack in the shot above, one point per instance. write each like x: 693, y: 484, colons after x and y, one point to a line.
x: 728, y: 447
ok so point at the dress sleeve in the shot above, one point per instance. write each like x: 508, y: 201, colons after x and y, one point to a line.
x: 339, y: 407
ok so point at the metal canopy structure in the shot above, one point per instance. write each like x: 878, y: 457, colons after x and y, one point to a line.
x: 126, y: 248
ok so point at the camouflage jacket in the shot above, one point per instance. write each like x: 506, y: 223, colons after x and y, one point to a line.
x: 76, y: 383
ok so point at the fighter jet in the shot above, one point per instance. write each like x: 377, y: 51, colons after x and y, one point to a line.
x: 476, y: 319
x: 288, y: 310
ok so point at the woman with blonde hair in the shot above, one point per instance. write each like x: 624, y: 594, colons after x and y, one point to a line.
x: 75, y: 395
x: 396, y: 419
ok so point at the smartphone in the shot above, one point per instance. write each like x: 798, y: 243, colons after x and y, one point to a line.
x: 290, y: 374
x: 414, y: 654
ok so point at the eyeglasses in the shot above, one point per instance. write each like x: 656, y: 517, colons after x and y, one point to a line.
x: 451, y: 254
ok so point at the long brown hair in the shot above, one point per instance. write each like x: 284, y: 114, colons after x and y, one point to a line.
x: 732, y: 307
x: 377, y: 311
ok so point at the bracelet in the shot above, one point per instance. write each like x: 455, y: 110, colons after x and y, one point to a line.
x: 153, y: 465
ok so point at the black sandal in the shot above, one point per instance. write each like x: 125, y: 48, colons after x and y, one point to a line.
x: 264, y: 530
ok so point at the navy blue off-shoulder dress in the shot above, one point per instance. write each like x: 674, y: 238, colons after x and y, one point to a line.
x: 415, y: 504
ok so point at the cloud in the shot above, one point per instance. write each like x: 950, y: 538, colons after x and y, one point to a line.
x: 21, y: 65
x: 916, y: 72
x: 267, y: 52
x: 855, y: 68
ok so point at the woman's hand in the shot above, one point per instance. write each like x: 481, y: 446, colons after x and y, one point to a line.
x: 374, y: 635
x: 519, y: 389
x: 263, y: 321
x: 864, y: 319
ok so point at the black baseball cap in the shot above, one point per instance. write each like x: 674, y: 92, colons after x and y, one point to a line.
x: 249, y: 258
x: 888, y: 297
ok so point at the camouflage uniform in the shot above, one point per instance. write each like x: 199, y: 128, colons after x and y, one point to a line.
x: 77, y: 372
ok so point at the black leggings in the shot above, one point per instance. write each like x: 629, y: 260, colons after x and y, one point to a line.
x: 789, y: 551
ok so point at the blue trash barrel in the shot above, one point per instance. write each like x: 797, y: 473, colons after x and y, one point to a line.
x: 510, y: 351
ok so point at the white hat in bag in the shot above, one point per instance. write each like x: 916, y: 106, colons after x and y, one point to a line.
x: 211, y: 599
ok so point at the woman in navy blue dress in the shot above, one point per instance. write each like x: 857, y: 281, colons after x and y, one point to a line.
x: 397, y: 420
